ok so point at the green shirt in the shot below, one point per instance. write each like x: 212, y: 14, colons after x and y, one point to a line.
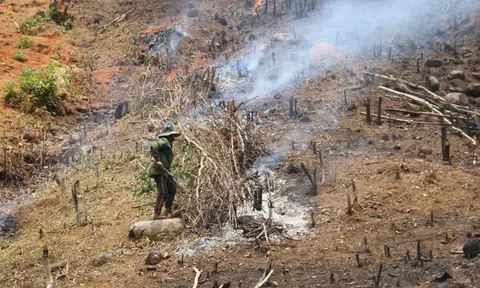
x: 163, y: 148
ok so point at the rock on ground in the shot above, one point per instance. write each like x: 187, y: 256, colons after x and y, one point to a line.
x: 101, y: 259
x: 434, y: 63
x: 433, y: 84
x: 154, y: 257
x: 473, y: 90
x: 472, y: 248
x: 457, y: 98
x: 157, y: 230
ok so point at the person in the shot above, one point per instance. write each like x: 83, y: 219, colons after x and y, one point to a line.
x: 159, y: 170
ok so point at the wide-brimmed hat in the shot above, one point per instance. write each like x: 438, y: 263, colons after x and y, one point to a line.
x: 168, y: 130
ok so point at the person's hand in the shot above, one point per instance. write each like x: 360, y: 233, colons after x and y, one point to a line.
x: 159, y: 164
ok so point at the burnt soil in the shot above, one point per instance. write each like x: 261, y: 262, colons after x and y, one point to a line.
x: 391, y: 211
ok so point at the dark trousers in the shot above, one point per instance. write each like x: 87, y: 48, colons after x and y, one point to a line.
x: 166, y: 189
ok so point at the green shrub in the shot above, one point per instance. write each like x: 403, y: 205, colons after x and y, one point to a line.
x: 144, y: 184
x: 67, y: 25
x: 32, y: 26
x: 41, y: 85
x: 24, y: 43
x: 10, y: 94
x: 19, y: 56
x: 50, y: 13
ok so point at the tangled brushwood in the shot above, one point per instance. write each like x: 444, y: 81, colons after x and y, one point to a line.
x: 217, y: 147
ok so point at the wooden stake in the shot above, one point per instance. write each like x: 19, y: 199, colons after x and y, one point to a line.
x: 79, y: 208
x: 295, y: 107
x: 367, y: 106
x: 322, y: 167
x: 386, y: 248
x: 390, y: 54
x: 332, y: 278
x: 290, y: 111
x: 46, y: 268
x: 349, y: 205
x: 419, y: 251
x: 406, y: 259
x: 357, y: 256
x: 6, y: 165
x: 314, y: 147
x: 444, y: 144
x: 379, y: 112
x: 345, y: 96
x: 97, y: 175
x: 379, y: 274
x: 354, y: 192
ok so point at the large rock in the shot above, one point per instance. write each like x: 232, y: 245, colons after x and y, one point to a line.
x: 476, y: 75
x: 101, y: 259
x: 154, y: 257
x: 121, y: 110
x: 473, y: 90
x: 457, y: 85
x: 222, y: 21
x: 434, y: 63
x: 98, y: 117
x: 472, y: 248
x: 433, y: 84
x: 457, y: 98
x: 457, y: 74
x: 157, y: 230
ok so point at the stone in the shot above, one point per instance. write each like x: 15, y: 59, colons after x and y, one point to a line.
x: 397, y: 147
x: 101, y: 259
x: 473, y: 90
x: 457, y: 98
x: 222, y: 21
x: 472, y: 248
x: 189, y: 5
x: 75, y: 138
x: 476, y: 75
x: 457, y: 74
x: 433, y: 84
x: 60, y: 110
x: 121, y: 110
x: 401, y: 87
x: 30, y: 136
x: 292, y: 169
x: 434, y: 63
x: 98, y: 117
x: 444, y: 276
x: 385, y: 137
x: 157, y: 230
x: 154, y: 257
x: 192, y: 13
x: 457, y: 85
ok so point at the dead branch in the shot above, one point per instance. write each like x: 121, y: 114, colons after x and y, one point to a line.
x: 197, y: 276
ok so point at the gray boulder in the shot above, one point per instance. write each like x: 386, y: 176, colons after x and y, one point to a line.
x: 433, y: 84
x: 457, y: 74
x: 472, y: 248
x: 457, y: 98
x: 473, y: 90
x: 101, y: 259
x: 434, y: 63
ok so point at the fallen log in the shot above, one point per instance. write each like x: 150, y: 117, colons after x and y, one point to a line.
x: 157, y: 230
x: 435, y: 110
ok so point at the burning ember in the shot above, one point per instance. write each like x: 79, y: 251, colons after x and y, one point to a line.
x: 322, y: 50
x: 257, y: 4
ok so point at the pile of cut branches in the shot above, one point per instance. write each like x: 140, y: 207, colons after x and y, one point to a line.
x: 217, y: 147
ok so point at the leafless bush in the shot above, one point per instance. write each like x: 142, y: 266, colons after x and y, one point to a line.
x: 216, y: 148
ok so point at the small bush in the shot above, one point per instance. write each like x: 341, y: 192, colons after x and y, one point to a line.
x: 32, y: 26
x: 10, y: 94
x: 19, y: 56
x: 24, y: 43
x: 41, y: 85
x: 67, y: 25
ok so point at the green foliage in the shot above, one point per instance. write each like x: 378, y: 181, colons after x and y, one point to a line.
x: 19, y: 56
x: 32, y: 26
x: 10, y: 94
x: 20, y: 123
x: 41, y: 85
x: 67, y: 25
x: 24, y: 43
x: 144, y: 185
x: 50, y: 12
